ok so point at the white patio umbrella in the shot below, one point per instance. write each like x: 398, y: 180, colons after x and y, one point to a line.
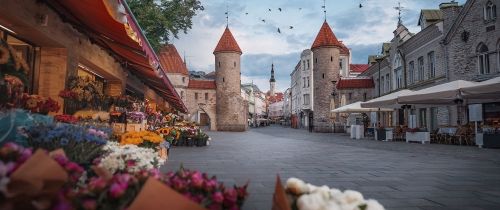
x: 446, y: 93
x: 356, y: 108
x: 386, y: 101
x: 489, y: 89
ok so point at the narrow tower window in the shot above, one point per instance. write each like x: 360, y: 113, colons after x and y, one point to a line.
x: 323, y: 76
x: 331, y: 58
x: 219, y: 63
x: 235, y: 64
x: 316, y: 60
x: 223, y: 79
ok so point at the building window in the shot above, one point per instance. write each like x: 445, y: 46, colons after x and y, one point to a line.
x: 206, y: 96
x: 490, y: 11
x: 411, y: 72
x: 223, y: 80
x: 219, y: 63
x: 196, y: 96
x: 303, y: 65
x: 323, y: 76
x: 483, y: 59
x: 364, y: 96
x: 235, y: 64
x: 432, y: 64
x: 421, y: 72
x: 350, y: 97
x: 183, y: 79
x: 308, y: 64
x: 316, y: 60
x: 304, y: 79
x: 306, y: 99
x: 331, y: 58
x: 307, y: 81
x: 399, y: 78
x: 340, y: 64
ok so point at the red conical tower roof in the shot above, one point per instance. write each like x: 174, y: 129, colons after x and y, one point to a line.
x: 325, y: 37
x: 227, y: 43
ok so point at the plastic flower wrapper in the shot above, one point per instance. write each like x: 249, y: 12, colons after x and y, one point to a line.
x: 80, y: 144
x: 129, y: 158
x: 33, y: 179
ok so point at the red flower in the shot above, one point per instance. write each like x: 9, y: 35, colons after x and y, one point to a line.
x: 218, y: 197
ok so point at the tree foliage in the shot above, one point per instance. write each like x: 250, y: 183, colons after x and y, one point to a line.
x: 162, y: 19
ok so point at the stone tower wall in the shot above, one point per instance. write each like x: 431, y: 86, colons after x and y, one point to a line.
x: 326, y: 69
x: 231, y: 112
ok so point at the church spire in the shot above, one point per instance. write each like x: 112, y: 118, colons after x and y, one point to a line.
x: 272, y: 74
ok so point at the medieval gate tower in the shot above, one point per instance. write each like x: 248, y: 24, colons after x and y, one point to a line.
x: 326, y: 50
x: 231, y: 110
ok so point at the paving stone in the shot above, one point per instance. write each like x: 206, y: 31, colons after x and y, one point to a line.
x: 399, y: 175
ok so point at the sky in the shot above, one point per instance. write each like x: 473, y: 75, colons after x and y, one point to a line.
x: 363, y: 30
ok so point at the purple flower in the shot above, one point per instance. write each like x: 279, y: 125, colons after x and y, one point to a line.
x: 117, y: 189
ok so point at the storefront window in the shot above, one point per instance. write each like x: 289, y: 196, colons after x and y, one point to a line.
x: 24, y: 50
x: 491, y: 114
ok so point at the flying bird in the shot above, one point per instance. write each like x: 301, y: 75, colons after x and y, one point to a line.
x: 263, y: 20
x: 291, y: 27
x: 360, y: 6
x: 269, y: 10
x: 279, y: 9
x: 279, y: 31
x: 300, y: 8
x: 246, y: 13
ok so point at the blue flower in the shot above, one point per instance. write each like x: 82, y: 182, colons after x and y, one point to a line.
x: 64, y: 141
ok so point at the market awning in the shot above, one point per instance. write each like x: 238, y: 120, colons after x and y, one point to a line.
x: 356, y: 108
x: 111, y: 24
x: 386, y: 101
x: 446, y: 93
x: 489, y: 89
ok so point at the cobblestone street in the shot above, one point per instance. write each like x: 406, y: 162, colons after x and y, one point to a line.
x: 397, y: 174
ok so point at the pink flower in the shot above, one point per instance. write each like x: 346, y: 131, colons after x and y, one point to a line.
x: 89, y: 204
x: 130, y: 163
x: 211, y: 184
x: 117, y: 189
x: 97, y: 183
x: 231, y: 196
x: 218, y: 197
x: 214, y: 206
x: 197, y: 180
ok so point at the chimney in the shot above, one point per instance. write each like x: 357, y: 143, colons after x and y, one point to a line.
x: 450, y: 12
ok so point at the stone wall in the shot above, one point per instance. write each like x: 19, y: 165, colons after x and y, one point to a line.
x: 326, y: 70
x: 231, y: 111
x: 208, y: 107
x: 462, y: 55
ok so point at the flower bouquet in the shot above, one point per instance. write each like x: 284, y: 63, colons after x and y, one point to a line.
x: 29, y: 179
x: 304, y: 196
x: 141, y: 138
x: 128, y: 158
x: 81, y: 144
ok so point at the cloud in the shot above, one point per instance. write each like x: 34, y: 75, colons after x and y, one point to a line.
x: 363, y: 30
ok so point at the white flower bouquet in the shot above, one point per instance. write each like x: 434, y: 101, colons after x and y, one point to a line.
x: 309, y: 197
x: 129, y: 158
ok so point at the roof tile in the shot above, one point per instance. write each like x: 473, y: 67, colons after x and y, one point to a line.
x: 227, y: 43
x: 326, y: 37
x: 171, y: 61
x: 355, y: 83
x: 201, y: 84
x: 359, y: 68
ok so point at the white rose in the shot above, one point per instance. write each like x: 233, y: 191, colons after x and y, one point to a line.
x: 351, y: 197
x: 373, y: 205
x: 311, y: 202
x: 296, y: 186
